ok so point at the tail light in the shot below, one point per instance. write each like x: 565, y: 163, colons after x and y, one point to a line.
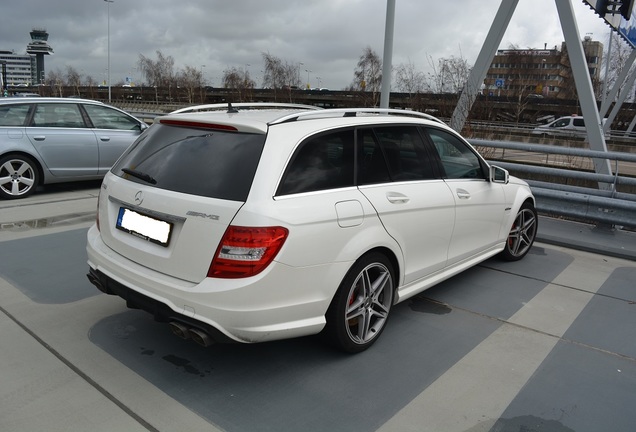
x: 246, y: 251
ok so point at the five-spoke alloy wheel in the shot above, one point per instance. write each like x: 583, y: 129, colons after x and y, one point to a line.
x: 360, y: 309
x: 522, y: 233
x: 18, y: 177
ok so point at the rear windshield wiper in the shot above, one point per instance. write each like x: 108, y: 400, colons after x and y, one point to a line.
x: 140, y: 175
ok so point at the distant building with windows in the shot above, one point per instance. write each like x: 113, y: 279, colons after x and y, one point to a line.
x: 540, y: 73
x: 20, y: 68
x: 26, y: 69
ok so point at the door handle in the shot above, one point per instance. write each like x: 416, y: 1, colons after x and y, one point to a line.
x: 104, y: 138
x: 463, y: 194
x: 397, y: 198
x: 39, y: 137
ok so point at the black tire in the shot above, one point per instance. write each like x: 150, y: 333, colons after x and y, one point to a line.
x: 19, y: 176
x: 360, y: 309
x: 522, y: 233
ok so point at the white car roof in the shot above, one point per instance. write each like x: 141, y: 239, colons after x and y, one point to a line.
x: 266, y: 115
x: 244, y: 121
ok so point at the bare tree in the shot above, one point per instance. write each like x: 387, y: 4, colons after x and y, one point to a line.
x: 239, y: 80
x: 617, y: 59
x: 73, y: 79
x: 191, y: 80
x: 449, y: 74
x: 458, y: 71
x: 408, y: 79
x: 368, y: 73
x: 160, y: 72
x: 367, y: 77
x: 91, y: 83
x: 279, y: 74
x: 55, y: 80
x: 273, y: 72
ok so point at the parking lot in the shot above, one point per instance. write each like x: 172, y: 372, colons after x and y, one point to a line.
x: 543, y: 344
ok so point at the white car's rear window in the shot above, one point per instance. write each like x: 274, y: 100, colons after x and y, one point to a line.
x: 204, y: 162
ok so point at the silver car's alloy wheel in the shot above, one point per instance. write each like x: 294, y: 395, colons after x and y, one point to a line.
x: 18, y: 177
x: 522, y: 233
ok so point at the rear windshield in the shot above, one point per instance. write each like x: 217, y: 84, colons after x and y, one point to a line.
x: 204, y: 162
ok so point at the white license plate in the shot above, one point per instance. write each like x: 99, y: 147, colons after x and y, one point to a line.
x: 144, y: 226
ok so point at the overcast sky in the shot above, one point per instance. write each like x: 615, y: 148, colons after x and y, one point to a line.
x: 326, y: 36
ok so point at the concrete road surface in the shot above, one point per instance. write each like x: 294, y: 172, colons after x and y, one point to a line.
x: 544, y: 344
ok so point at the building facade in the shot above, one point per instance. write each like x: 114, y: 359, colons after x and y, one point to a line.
x: 540, y: 73
x: 26, y: 69
x: 20, y: 68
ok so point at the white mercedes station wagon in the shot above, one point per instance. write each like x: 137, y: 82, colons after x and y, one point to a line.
x: 253, y: 225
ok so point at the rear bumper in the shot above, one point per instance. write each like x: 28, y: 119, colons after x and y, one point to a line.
x: 160, y: 311
x: 282, y: 302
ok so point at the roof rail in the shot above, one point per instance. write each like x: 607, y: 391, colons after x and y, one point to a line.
x: 351, y: 112
x: 244, y: 106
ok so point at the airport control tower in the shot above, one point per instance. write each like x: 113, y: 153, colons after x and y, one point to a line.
x: 40, y: 47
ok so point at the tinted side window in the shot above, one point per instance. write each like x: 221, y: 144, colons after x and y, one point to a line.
x: 321, y: 162
x: 57, y: 115
x: 578, y: 122
x: 371, y: 160
x: 405, y: 153
x: 202, y: 162
x: 458, y: 160
x: 13, y: 115
x: 107, y: 118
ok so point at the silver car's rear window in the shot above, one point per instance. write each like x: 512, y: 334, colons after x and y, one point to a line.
x: 205, y: 162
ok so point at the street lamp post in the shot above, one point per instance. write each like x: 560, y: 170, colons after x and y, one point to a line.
x: 308, y: 71
x: 299, y: 79
x: 108, y: 2
x: 202, y: 90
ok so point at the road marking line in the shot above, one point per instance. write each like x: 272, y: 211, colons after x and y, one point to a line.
x: 473, y: 393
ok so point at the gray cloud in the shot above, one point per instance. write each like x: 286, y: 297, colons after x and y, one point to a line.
x: 327, y: 36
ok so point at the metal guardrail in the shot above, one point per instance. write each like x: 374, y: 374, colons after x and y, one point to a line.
x: 613, y: 136
x: 603, y: 206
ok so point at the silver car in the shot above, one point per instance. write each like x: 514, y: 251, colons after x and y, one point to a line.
x: 53, y: 140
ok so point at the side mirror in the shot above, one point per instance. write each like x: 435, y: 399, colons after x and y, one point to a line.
x: 498, y: 175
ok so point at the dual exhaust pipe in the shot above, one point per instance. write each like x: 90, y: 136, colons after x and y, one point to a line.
x: 184, y: 331
x: 199, y: 336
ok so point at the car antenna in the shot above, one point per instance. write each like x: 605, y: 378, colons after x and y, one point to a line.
x: 230, y: 108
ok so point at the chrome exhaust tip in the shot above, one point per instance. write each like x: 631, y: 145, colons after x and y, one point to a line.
x: 180, y: 330
x: 201, y: 337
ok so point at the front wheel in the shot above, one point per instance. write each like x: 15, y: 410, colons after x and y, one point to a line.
x: 19, y: 176
x: 522, y: 233
x: 360, y: 309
